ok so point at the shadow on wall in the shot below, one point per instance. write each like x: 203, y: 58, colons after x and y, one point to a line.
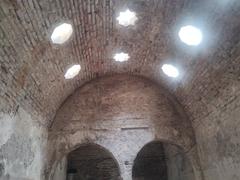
x: 164, y: 161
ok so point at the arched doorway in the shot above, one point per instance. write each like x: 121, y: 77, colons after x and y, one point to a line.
x: 162, y: 161
x: 150, y: 163
x: 92, y: 162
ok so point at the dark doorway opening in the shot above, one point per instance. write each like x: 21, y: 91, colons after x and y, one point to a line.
x: 150, y: 163
x: 92, y: 162
x: 162, y: 161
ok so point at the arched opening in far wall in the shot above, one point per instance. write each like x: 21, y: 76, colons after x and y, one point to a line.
x: 162, y: 161
x: 92, y: 162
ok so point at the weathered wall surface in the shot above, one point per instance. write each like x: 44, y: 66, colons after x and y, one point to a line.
x: 218, y: 139
x: 178, y: 164
x: 32, y: 69
x: 125, y: 102
x: 61, y: 170
x: 22, y: 147
x: 122, y: 114
x: 124, y: 145
x: 215, y: 110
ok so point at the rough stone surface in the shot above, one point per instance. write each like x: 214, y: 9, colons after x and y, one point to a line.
x: 22, y: 147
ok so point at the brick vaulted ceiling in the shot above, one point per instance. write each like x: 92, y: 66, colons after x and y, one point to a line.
x: 32, y: 69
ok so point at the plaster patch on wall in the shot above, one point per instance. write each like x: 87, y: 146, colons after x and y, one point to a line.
x: 22, y: 147
x: 6, y: 128
x: 18, y: 149
x: 60, y: 172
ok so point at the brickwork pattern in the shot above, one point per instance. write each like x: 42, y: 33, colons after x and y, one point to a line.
x: 32, y: 68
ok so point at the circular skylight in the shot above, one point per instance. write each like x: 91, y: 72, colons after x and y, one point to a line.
x: 127, y: 18
x: 62, y: 33
x: 190, y: 35
x: 170, y: 70
x: 121, y: 57
x: 72, y: 71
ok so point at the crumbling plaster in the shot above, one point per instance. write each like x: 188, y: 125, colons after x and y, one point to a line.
x: 22, y: 147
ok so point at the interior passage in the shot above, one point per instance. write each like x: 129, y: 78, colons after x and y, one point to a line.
x: 162, y: 161
x: 92, y: 162
x: 150, y: 163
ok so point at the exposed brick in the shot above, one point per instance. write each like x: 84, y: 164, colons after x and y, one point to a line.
x: 32, y: 69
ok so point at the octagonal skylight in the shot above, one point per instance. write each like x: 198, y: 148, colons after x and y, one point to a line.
x: 170, y: 70
x: 127, y: 18
x: 72, y: 71
x: 121, y: 57
x: 190, y: 35
x: 62, y: 33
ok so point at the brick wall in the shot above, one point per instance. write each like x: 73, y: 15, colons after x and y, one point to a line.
x: 122, y: 114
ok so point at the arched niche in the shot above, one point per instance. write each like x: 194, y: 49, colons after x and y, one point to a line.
x: 87, y: 161
x: 92, y: 162
x: 159, y: 160
x: 127, y: 103
x: 122, y: 113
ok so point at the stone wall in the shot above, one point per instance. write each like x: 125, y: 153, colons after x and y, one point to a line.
x: 22, y: 147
